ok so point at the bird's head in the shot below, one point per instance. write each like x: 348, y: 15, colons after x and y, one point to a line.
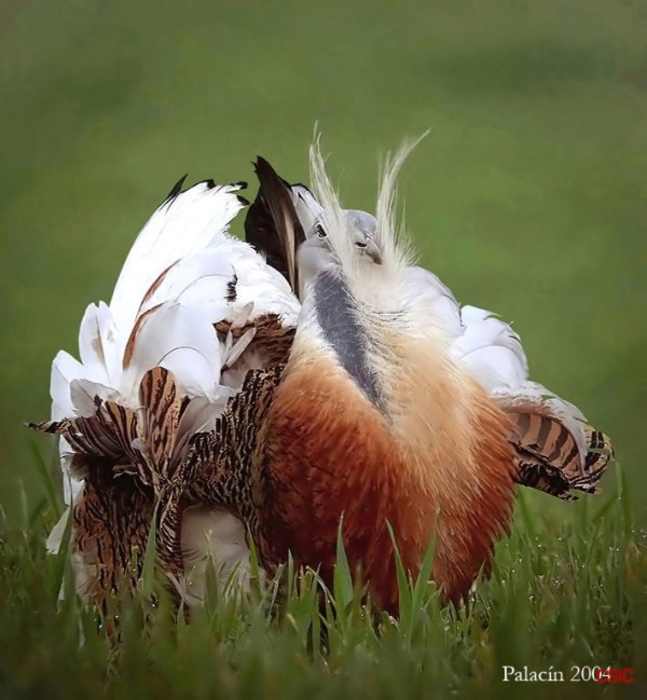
x: 317, y: 253
x: 367, y: 251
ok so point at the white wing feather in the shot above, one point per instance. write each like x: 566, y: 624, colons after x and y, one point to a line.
x: 99, y: 344
x: 531, y: 397
x: 491, y: 349
x: 65, y: 369
x: 181, y: 339
x: 435, y: 298
x: 183, y: 225
x: 175, y: 285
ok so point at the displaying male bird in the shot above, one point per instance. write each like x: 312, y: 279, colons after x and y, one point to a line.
x: 395, y: 406
x: 390, y: 404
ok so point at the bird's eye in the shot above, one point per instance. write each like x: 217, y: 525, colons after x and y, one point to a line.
x: 360, y: 244
x: 319, y: 231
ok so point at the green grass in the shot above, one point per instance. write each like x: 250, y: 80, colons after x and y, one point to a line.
x: 526, y: 198
x: 562, y: 593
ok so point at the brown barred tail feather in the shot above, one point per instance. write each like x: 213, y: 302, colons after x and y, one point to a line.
x: 112, y: 521
x: 88, y: 437
x: 551, y: 459
x: 140, y: 443
x: 162, y: 409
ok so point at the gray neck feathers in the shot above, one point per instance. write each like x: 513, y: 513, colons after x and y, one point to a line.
x: 337, y: 315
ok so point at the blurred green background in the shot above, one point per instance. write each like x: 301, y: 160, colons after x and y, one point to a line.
x: 527, y: 197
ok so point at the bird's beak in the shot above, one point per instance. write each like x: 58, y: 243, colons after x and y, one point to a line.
x: 373, y: 252
x: 369, y: 248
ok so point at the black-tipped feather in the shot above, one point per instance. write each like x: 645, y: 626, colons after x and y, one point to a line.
x: 177, y: 188
x: 272, y: 225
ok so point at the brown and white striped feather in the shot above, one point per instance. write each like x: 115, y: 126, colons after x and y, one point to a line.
x: 549, y: 458
x: 112, y: 521
x: 161, y: 411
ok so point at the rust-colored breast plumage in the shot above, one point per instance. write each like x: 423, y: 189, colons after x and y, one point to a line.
x: 331, y: 453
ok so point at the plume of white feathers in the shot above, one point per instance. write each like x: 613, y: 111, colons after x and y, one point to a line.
x: 175, y: 285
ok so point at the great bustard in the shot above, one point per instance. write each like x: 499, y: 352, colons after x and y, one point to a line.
x: 208, y: 386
